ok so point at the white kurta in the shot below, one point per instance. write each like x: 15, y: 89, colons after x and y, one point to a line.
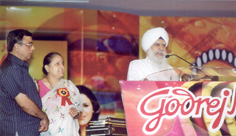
x: 140, y: 69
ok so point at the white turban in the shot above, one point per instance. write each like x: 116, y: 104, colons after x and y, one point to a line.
x: 152, y: 35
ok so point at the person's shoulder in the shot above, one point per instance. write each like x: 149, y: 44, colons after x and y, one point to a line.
x: 9, y: 68
x: 64, y: 80
x: 40, y: 81
x: 67, y: 80
x: 137, y: 61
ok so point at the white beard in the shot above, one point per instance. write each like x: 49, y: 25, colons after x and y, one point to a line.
x: 161, y: 63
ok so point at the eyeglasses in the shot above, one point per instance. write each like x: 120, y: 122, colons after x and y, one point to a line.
x: 27, y: 44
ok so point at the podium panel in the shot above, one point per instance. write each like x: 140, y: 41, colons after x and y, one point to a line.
x: 183, y: 108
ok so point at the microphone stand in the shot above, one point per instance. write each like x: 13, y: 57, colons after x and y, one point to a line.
x: 193, y: 65
x: 167, y: 56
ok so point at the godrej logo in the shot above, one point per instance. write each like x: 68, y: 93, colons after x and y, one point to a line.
x: 178, y: 101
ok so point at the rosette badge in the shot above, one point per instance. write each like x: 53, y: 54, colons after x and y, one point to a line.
x: 64, y: 93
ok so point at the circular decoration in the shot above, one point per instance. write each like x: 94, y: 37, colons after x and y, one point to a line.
x: 64, y: 93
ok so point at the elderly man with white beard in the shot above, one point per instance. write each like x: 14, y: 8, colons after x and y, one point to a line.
x: 154, y: 43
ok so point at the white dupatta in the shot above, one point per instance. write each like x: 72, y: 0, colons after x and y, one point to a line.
x: 56, y: 104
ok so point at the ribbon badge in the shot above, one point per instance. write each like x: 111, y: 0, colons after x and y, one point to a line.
x: 64, y: 93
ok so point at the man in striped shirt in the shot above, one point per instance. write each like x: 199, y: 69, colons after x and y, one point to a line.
x: 20, y: 104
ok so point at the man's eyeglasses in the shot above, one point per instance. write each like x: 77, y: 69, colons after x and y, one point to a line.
x: 27, y: 44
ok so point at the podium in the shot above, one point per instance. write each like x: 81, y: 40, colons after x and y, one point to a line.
x: 182, y: 101
x: 194, y: 74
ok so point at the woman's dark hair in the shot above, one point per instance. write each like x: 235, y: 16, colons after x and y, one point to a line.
x: 16, y: 36
x: 96, y: 107
x: 48, y: 59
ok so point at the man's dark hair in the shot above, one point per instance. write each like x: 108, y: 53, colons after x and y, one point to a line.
x: 16, y: 36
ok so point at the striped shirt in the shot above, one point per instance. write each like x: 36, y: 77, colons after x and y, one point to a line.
x: 15, y: 79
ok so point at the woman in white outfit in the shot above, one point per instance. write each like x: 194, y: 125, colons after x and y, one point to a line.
x: 60, y: 98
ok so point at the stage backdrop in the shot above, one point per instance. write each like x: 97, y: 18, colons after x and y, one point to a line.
x: 100, y: 44
x: 168, y: 108
x: 203, y: 41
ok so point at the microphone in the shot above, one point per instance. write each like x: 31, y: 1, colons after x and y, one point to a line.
x: 167, y: 56
x: 193, y: 65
